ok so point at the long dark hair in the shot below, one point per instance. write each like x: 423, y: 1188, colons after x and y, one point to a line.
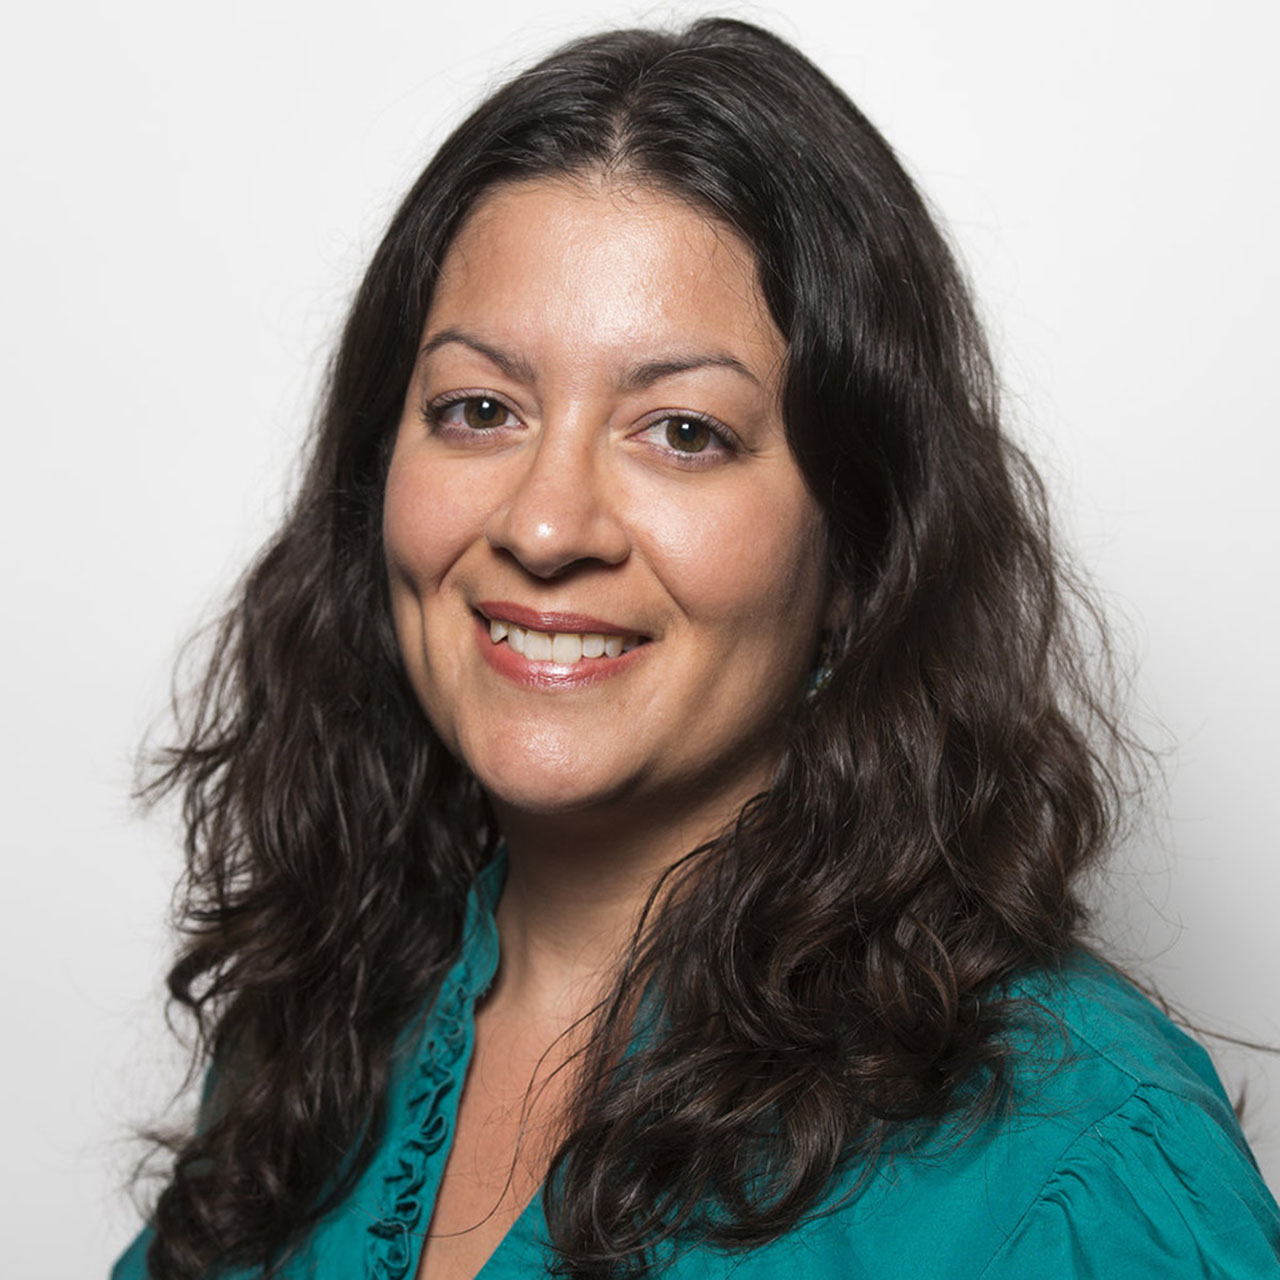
x: 828, y: 969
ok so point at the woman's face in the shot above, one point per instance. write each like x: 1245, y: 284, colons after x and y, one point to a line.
x: 605, y: 567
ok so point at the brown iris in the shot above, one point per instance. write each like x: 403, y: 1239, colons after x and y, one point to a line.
x: 482, y: 411
x: 688, y: 435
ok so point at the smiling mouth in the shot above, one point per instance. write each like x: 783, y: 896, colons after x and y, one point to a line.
x: 562, y: 647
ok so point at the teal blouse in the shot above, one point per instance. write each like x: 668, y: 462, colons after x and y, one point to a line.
x: 1121, y: 1159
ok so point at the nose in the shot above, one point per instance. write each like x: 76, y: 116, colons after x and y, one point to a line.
x: 560, y: 510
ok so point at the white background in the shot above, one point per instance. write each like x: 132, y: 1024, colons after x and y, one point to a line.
x: 190, y: 193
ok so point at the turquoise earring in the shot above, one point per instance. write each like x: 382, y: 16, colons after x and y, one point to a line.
x: 820, y: 675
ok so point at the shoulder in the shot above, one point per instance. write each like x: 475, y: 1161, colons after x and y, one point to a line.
x: 1120, y: 1150
x: 1117, y: 1153
x: 1087, y: 1043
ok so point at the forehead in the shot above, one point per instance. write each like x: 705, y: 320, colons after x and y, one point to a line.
x: 605, y: 266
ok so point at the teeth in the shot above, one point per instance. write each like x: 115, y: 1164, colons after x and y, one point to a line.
x: 537, y: 646
x: 565, y: 648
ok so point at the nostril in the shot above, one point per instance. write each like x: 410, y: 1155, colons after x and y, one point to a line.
x: 547, y: 546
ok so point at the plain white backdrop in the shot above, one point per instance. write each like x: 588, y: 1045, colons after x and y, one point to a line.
x: 190, y: 194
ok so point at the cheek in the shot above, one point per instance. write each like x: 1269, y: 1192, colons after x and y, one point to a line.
x: 424, y: 532
x: 424, y: 523
x: 752, y: 559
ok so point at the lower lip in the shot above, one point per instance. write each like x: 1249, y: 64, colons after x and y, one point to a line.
x: 551, y: 675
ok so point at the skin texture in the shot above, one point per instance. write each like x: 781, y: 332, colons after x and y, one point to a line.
x: 573, y: 308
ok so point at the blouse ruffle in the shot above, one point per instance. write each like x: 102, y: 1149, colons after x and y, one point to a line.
x: 390, y: 1249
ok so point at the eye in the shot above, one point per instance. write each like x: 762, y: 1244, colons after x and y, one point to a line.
x: 692, y: 438
x: 477, y: 413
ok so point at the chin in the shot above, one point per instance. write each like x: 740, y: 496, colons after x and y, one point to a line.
x: 519, y: 782
x: 547, y: 803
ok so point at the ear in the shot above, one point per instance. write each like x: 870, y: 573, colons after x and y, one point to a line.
x: 838, y: 615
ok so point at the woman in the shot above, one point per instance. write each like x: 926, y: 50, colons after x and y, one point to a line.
x: 634, y: 804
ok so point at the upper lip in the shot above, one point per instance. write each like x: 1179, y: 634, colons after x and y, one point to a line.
x: 551, y: 621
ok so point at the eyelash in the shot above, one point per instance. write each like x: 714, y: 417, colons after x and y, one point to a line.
x: 724, y: 437
x: 435, y: 410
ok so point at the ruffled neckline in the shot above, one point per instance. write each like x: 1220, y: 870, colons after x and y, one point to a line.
x: 413, y: 1157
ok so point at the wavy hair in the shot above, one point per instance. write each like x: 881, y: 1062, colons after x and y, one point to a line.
x: 828, y: 970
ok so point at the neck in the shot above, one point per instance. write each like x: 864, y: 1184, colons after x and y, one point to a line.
x: 576, y: 888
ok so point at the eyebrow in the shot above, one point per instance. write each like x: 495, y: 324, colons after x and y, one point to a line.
x: 511, y: 365
x: 635, y: 377
x: 639, y: 376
